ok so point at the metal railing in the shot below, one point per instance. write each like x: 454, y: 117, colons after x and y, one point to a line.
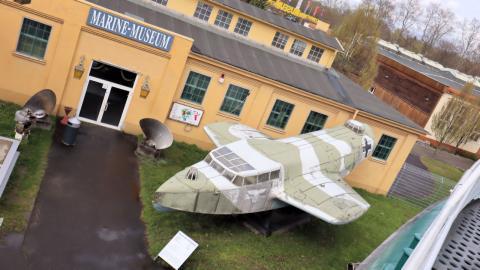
x: 420, y: 187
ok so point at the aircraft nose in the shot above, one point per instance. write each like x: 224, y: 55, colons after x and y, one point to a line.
x: 175, y: 194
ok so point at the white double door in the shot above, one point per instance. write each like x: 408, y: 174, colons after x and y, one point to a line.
x: 104, y: 102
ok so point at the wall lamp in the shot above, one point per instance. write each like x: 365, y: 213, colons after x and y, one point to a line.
x: 221, y: 79
x: 145, y: 90
x: 80, y: 68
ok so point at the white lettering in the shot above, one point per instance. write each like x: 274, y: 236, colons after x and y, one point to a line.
x: 95, y: 17
x: 124, y: 28
x: 102, y: 21
x: 118, y: 25
x: 165, y: 41
x: 108, y: 24
x: 152, y: 38
x: 135, y: 31
x: 148, y: 32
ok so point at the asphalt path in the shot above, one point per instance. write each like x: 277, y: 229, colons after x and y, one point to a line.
x: 87, y: 213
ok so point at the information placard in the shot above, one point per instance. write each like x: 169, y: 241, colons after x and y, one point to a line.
x: 177, y: 251
x: 186, y: 114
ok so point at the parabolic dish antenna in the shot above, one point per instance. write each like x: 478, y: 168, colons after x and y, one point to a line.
x: 157, y: 135
x: 42, y: 103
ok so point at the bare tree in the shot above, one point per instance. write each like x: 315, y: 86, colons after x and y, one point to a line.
x: 469, y: 38
x: 408, y: 13
x: 437, y: 23
x: 445, y: 123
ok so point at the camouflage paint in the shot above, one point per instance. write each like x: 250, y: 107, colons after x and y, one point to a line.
x: 312, y: 167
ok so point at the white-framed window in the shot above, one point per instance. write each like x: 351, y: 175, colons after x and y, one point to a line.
x: 161, y: 2
x: 33, y: 39
x: 315, y: 54
x: 243, y: 27
x: 223, y: 19
x: 280, y: 40
x: 298, y: 47
x: 203, y: 11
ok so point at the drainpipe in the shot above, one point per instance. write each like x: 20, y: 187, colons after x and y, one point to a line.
x: 355, y: 115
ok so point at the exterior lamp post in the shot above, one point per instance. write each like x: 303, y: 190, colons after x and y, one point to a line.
x: 80, y: 68
x: 145, y: 90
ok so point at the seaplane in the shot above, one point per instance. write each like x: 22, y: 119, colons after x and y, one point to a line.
x: 250, y: 172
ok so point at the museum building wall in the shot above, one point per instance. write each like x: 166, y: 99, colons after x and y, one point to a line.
x: 71, y: 39
x: 261, y: 31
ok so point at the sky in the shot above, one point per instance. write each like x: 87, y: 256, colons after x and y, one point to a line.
x: 462, y: 8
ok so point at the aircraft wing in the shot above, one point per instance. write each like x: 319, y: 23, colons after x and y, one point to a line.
x: 327, y: 197
x: 222, y: 133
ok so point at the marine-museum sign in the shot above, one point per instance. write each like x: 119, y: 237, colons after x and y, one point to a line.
x: 128, y: 29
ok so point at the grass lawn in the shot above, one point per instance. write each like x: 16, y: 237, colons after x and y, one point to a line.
x: 441, y: 168
x: 19, y: 196
x: 226, y: 244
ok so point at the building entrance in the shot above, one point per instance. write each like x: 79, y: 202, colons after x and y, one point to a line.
x: 106, y: 95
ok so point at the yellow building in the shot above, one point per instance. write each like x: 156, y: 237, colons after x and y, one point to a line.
x: 116, y: 62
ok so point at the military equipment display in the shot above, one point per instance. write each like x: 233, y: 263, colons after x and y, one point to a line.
x: 35, y: 112
x: 249, y: 172
x: 157, y: 138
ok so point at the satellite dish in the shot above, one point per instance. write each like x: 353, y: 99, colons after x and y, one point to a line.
x: 42, y: 103
x: 157, y: 135
x: 34, y: 113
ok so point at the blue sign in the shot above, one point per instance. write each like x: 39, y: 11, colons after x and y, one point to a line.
x: 128, y: 29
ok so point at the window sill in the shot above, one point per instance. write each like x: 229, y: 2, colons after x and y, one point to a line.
x: 189, y: 104
x: 381, y: 161
x: 274, y: 129
x: 227, y: 115
x: 29, y: 58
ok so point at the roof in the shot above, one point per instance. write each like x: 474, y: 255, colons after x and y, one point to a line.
x: 231, y: 49
x: 444, y: 77
x: 270, y: 17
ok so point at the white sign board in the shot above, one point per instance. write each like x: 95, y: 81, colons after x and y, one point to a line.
x: 8, y: 158
x: 177, y: 251
x: 186, y: 114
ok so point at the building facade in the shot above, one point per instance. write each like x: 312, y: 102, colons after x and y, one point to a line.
x: 419, y: 88
x: 116, y: 62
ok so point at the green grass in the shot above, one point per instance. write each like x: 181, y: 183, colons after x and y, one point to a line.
x: 19, y: 196
x: 441, y: 168
x: 226, y: 244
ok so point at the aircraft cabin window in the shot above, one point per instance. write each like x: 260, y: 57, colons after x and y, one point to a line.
x: 228, y: 175
x: 231, y: 160
x: 238, y: 181
x: 263, y: 177
x: 275, y: 175
x: 217, y: 167
x: 208, y: 159
x: 250, y: 180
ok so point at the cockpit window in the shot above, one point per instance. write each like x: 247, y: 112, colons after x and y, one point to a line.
x: 355, y: 126
x: 263, y: 177
x: 231, y: 160
x: 275, y: 175
x: 208, y: 159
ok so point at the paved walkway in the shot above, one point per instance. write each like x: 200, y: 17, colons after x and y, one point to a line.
x: 454, y: 160
x: 87, y: 213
